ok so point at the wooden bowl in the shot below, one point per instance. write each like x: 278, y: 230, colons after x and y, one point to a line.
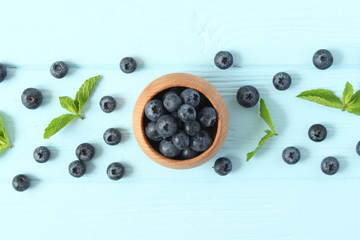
x: 181, y: 80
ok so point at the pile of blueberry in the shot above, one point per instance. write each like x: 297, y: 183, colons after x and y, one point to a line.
x: 32, y: 98
x: 180, y: 123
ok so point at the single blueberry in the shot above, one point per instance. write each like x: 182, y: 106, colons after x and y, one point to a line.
x: 112, y: 136
x: 107, y: 104
x: 128, y: 65
x: 291, y: 155
x: 154, y: 109
x: 187, y: 113
x: 330, y: 165
x: 282, y: 81
x: 77, y: 168
x: 115, y: 171
x: 31, y: 98
x: 188, y: 153
x: 247, y: 96
x: 21, y: 182
x: 192, y: 128
x: 201, y: 141
x: 85, y: 152
x: 358, y: 148
x: 172, y: 101
x: 180, y: 140
x: 151, y: 132
x: 207, y: 116
x: 59, y: 69
x: 190, y: 96
x: 317, y: 132
x: 322, y: 59
x: 3, y: 72
x: 223, y: 60
x: 166, y: 126
x: 223, y: 166
x: 41, y: 154
x: 168, y: 149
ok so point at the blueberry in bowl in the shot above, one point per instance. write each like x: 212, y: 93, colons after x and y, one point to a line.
x: 180, y: 121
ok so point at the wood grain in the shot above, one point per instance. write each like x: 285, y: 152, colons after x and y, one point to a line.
x: 189, y: 81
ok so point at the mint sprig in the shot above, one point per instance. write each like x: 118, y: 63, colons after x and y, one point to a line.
x: 74, y: 106
x: 350, y: 101
x: 264, y: 114
x: 4, y: 140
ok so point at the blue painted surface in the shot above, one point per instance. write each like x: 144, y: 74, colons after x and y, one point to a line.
x: 261, y: 199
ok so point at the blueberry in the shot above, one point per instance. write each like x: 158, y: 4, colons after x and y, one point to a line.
x: 207, y: 116
x: 3, y: 72
x: 247, y: 96
x: 85, y: 152
x: 317, y: 132
x: 188, y: 153
x: 223, y: 60
x: 107, y: 104
x: 77, y: 168
x: 166, y: 126
x: 181, y: 140
x: 322, y: 59
x: 115, y: 171
x: 128, y: 65
x: 41, y: 154
x: 291, y: 155
x: 154, y: 110
x: 178, y: 120
x: 330, y: 165
x: 168, y: 149
x: 21, y: 182
x: 187, y: 113
x: 172, y: 101
x: 201, y: 141
x: 112, y: 136
x: 190, y: 96
x: 282, y: 81
x: 59, y: 69
x: 358, y: 148
x: 192, y: 128
x: 223, y: 166
x: 151, y: 132
x: 31, y: 98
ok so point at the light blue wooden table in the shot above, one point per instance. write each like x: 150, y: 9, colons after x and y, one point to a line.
x: 262, y: 199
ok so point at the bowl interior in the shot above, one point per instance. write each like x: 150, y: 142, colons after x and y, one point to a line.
x: 204, y: 101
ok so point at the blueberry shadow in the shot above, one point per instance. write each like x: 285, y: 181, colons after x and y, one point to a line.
x: 140, y: 65
x: 11, y: 71
x: 236, y: 58
x: 129, y: 170
x: 330, y: 129
x: 98, y: 150
x: 72, y: 68
x: 34, y: 180
x: 90, y: 167
x: 10, y: 130
x: 120, y: 102
x: 46, y: 96
x: 342, y: 162
x: 295, y: 79
x: 304, y: 153
x: 125, y: 134
x: 53, y: 152
x: 337, y: 55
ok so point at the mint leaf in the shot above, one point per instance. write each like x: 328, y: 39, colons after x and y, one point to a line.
x: 261, y: 143
x: 323, y: 97
x: 68, y: 104
x: 264, y: 114
x: 4, y: 140
x: 347, y: 94
x: 58, y: 123
x: 353, y: 109
x: 355, y: 99
x: 84, y: 92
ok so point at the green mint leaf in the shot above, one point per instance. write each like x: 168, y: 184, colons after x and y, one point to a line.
x: 68, y: 104
x: 264, y: 114
x: 58, y: 123
x: 4, y: 140
x: 323, y: 97
x: 84, y: 93
x: 262, y: 141
x: 353, y: 109
x: 355, y: 99
x: 347, y: 94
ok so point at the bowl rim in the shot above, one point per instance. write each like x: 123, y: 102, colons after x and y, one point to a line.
x: 189, y: 81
